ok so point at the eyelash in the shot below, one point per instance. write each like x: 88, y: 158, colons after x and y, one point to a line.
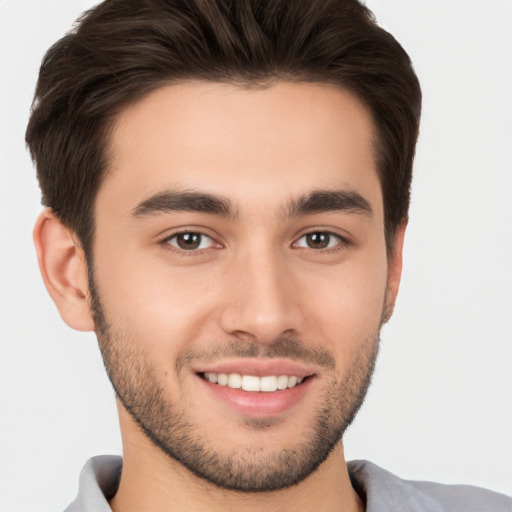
x: 342, y: 243
x: 167, y: 243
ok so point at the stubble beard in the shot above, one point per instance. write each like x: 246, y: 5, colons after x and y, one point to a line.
x: 243, y: 469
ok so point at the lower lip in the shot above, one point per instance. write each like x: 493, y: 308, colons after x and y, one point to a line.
x: 260, y: 404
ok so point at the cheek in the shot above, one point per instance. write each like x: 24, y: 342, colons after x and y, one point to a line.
x: 344, y: 307
x: 152, y: 303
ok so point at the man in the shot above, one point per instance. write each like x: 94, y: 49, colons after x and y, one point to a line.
x: 227, y: 191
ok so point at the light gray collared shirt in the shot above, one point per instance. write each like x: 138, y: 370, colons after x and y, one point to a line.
x: 378, y: 488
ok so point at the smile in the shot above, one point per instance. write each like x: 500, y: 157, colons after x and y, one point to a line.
x: 252, y: 383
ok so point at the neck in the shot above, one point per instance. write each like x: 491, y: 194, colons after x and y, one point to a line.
x: 150, y: 480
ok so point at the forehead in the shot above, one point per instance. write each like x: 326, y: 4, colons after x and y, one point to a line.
x: 282, y: 140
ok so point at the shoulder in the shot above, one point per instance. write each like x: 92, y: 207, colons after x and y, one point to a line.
x: 384, y: 491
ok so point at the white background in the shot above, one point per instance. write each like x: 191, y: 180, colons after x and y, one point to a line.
x: 441, y: 404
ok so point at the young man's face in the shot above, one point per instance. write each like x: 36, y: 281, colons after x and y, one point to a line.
x: 239, y: 237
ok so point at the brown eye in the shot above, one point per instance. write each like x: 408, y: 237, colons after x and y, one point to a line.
x: 190, y: 241
x: 319, y: 240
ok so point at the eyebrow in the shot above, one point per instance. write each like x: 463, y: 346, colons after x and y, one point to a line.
x: 322, y: 201
x: 185, y: 201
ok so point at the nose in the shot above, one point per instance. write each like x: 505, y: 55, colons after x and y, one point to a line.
x: 262, y: 299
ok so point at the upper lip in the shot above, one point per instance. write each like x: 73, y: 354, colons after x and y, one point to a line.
x: 257, y: 367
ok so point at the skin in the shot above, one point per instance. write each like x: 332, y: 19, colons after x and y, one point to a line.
x: 254, y: 279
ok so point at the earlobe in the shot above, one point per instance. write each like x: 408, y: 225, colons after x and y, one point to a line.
x: 394, y: 271
x: 64, y: 270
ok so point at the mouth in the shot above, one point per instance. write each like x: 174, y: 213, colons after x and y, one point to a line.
x: 254, y: 383
x: 257, y: 390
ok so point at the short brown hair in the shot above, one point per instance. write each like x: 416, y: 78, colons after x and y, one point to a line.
x: 122, y: 50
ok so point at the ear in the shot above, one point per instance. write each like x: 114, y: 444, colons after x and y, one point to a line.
x: 64, y: 270
x: 394, y: 271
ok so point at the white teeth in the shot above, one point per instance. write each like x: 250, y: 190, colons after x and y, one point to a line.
x: 292, y: 381
x: 212, y: 377
x: 234, y: 380
x: 251, y: 383
x: 282, y: 382
x: 269, y: 383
